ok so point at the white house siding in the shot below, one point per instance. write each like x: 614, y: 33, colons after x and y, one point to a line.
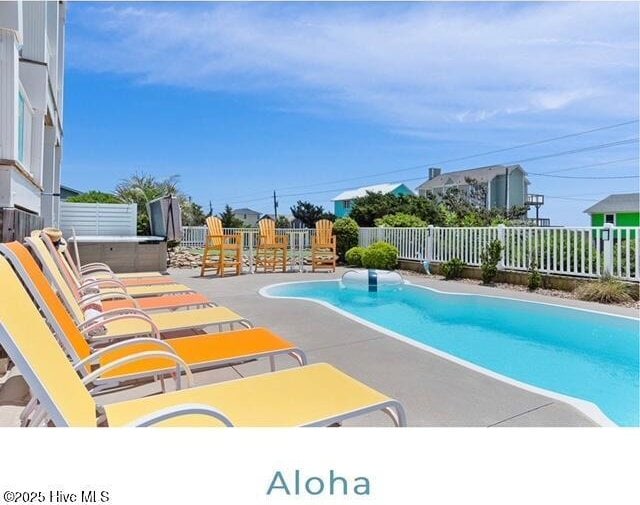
x: 31, y: 72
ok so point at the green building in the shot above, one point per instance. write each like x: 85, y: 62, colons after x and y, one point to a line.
x: 619, y: 210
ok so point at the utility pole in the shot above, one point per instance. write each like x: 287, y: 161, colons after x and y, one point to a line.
x: 275, y: 205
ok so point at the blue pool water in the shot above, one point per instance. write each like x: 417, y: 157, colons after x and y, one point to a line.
x: 586, y: 355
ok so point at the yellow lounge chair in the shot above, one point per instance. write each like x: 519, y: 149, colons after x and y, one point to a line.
x: 313, y: 395
x: 272, y: 248
x: 323, y: 247
x: 106, y: 287
x: 131, y: 359
x: 55, y: 250
x: 221, y: 251
x: 129, y: 322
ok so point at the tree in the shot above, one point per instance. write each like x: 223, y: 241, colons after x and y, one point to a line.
x: 192, y: 213
x: 229, y: 220
x: 282, y: 222
x: 94, y: 196
x: 372, y: 206
x: 309, y: 213
x: 140, y: 189
x: 400, y: 220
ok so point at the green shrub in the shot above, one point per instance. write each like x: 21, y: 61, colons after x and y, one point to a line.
x: 380, y: 255
x: 94, y: 197
x: 604, y: 290
x: 534, y: 279
x: 400, y: 220
x: 452, y: 269
x: 354, y: 256
x: 346, y: 231
x: 489, y: 260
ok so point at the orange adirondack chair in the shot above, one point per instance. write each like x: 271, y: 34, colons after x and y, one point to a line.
x: 323, y: 247
x: 272, y: 248
x: 221, y: 251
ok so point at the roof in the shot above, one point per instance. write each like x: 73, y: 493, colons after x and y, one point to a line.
x: 360, y: 192
x: 70, y: 190
x: 481, y: 174
x: 246, y: 211
x: 623, y: 202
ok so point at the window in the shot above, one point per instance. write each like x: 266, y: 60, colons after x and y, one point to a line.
x: 21, y: 127
x: 610, y: 218
x: 347, y: 204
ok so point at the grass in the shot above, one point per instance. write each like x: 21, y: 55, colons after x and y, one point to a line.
x: 605, y: 290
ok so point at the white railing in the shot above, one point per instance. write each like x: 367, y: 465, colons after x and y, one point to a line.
x: 195, y: 236
x: 572, y: 251
x: 299, y: 241
x: 583, y: 252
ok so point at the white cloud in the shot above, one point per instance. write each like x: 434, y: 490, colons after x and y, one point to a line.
x: 409, y: 66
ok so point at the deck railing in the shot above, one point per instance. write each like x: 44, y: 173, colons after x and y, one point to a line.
x: 572, y: 251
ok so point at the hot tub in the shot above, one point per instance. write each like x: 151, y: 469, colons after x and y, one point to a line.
x: 123, y: 253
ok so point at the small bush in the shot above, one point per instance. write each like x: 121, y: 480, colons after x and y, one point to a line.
x: 94, y: 197
x: 400, y: 220
x: 489, y: 261
x: 452, y: 269
x: 604, y: 290
x: 380, y: 255
x: 534, y: 279
x: 354, y: 256
x: 346, y: 231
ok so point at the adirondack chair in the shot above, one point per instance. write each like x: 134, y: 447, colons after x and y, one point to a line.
x: 221, y: 251
x: 323, y: 247
x: 272, y: 248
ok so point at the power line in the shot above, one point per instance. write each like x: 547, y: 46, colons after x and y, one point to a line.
x: 535, y: 158
x: 471, y: 156
x: 598, y: 178
x: 591, y: 165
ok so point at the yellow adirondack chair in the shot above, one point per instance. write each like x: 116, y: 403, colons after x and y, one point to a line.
x: 323, y: 247
x: 272, y: 248
x: 221, y: 251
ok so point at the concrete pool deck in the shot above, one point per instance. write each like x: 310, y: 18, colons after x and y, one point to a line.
x: 434, y: 391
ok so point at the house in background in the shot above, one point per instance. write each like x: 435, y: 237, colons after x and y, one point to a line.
x: 247, y: 216
x: 32, y: 36
x: 343, y: 202
x: 620, y: 210
x: 506, y: 186
x: 67, y: 192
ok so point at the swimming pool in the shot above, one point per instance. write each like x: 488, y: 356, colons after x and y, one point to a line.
x: 582, y: 354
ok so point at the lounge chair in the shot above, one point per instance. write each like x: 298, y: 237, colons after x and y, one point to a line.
x: 128, y: 322
x: 131, y: 359
x: 56, y: 251
x: 221, y: 251
x: 313, y: 395
x: 323, y: 247
x: 104, y: 286
x: 272, y: 248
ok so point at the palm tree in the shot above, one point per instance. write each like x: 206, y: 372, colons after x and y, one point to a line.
x: 141, y: 188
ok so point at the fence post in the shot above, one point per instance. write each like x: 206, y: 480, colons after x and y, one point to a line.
x: 501, y: 238
x: 430, y: 239
x: 607, y: 240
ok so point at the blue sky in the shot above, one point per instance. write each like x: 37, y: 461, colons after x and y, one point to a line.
x: 311, y: 99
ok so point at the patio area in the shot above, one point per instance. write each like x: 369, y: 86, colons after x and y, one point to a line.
x: 434, y: 390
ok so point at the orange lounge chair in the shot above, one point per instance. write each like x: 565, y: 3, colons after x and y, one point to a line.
x: 312, y: 395
x: 137, y: 358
